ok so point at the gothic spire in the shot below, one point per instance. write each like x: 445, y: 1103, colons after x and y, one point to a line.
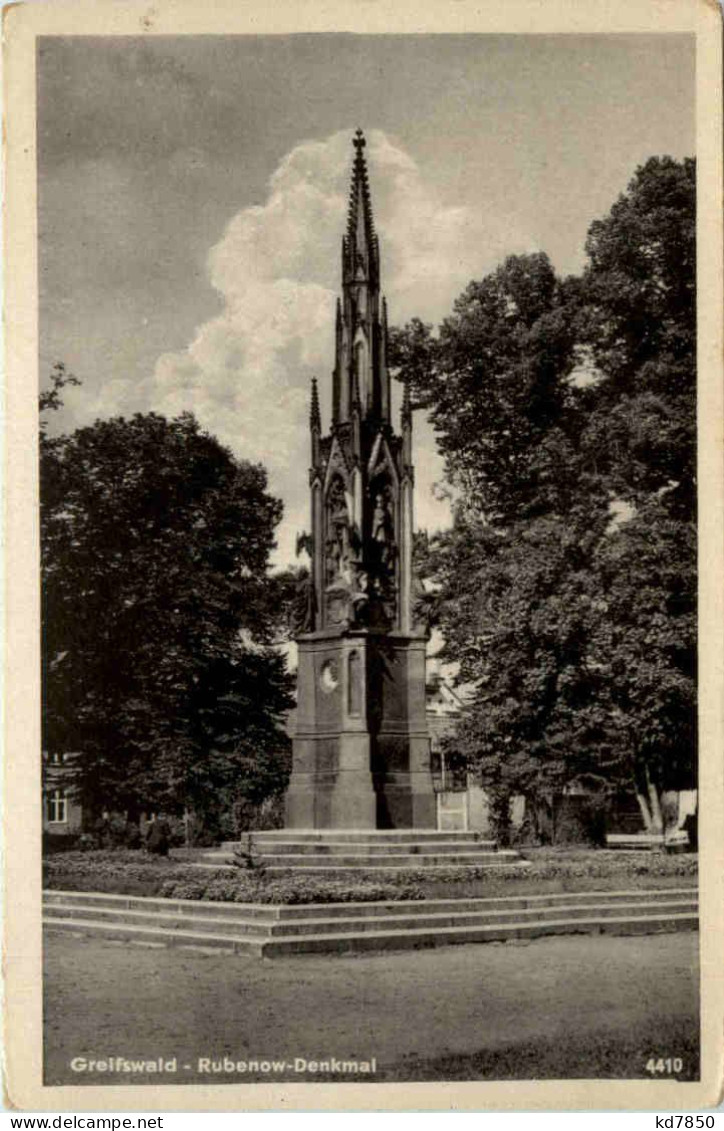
x: 315, y: 417
x: 360, y: 245
x: 360, y: 205
x: 360, y: 377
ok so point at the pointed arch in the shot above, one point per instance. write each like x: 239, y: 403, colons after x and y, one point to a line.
x: 336, y: 465
x: 381, y: 461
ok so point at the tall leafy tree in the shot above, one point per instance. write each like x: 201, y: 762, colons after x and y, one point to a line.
x: 159, y: 674
x: 566, y: 587
x: 644, y: 643
x: 637, y: 317
x: 494, y: 379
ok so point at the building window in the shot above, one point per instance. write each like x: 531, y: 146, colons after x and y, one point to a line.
x: 57, y: 807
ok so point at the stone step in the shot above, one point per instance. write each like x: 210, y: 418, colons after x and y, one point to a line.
x: 403, y: 922
x: 335, y: 941
x: 444, y: 936
x: 322, y: 924
x: 168, y: 921
x: 90, y: 902
x: 350, y: 848
x: 361, y: 836
x: 324, y: 860
x: 126, y: 932
x: 271, y: 913
x: 322, y: 867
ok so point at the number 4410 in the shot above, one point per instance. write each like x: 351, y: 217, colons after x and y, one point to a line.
x: 669, y: 1066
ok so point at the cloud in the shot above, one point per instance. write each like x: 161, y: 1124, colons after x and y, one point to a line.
x: 246, y: 373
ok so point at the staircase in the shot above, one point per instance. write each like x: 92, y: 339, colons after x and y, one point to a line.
x: 273, y: 931
x: 383, y: 850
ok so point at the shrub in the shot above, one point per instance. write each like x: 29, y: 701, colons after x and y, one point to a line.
x: 182, y: 889
x: 59, y: 842
x: 248, y: 888
x: 543, y: 864
x: 500, y: 815
x: 256, y: 818
x: 135, y: 873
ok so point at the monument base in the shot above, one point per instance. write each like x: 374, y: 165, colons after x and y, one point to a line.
x: 361, y: 753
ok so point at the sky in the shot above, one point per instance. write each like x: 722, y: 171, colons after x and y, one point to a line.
x: 192, y: 196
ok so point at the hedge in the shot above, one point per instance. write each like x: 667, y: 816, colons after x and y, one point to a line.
x: 125, y: 872
x: 134, y: 873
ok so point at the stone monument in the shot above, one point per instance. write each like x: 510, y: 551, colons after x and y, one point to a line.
x: 361, y: 752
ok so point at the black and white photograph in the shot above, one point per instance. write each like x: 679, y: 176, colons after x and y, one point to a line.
x: 368, y: 517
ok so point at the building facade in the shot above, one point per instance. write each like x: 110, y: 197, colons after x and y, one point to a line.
x: 62, y: 815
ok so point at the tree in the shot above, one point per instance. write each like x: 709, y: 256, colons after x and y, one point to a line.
x: 158, y: 670
x: 517, y: 607
x: 637, y: 316
x: 644, y: 641
x: 292, y: 602
x: 565, y: 589
x: 495, y: 382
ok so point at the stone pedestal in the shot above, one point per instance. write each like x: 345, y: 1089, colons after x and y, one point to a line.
x: 361, y: 752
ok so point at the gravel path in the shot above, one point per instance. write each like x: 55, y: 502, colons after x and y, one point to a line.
x: 122, y: 1000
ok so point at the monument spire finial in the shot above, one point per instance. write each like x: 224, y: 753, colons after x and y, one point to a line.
x: 360, y: 206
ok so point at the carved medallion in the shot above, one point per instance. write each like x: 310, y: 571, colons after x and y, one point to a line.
x: 329, y: 676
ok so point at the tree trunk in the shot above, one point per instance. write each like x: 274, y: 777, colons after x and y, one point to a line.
x: 555, y: 812
x: 649, y: 801
x: 655, y: 804
x: 645, y: 812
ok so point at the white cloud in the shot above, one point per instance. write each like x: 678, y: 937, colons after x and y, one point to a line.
x: 246, y: 374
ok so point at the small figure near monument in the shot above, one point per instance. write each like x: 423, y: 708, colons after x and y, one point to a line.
x: 102, y: 830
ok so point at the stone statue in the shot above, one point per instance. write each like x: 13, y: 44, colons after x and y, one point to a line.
x: 360, y: 598
x: 383, y: 533
x: 338, y: 541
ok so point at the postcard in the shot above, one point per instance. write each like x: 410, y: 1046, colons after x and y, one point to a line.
x: 364, y: 556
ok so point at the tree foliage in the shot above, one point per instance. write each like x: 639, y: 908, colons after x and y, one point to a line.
x: 565, y: 590
x: 637, y: 315
x: 157, y: 617
x: 494, y: 380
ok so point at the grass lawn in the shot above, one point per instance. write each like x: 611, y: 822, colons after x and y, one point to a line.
x: 578, y: 1006
x: 599, y: 1055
